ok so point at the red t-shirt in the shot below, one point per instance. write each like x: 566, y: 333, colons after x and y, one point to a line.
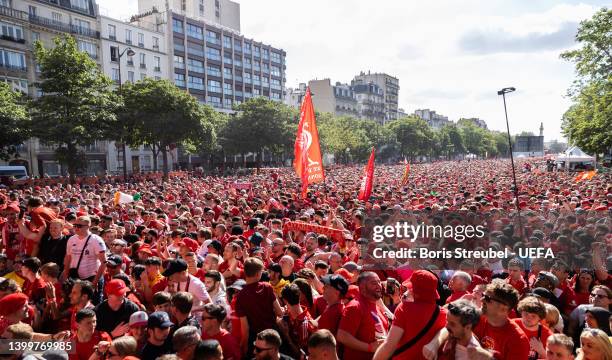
x: 412, y: 317
x: 508, y: 342
x: 255, y: 302
x: 300, y: 328
x: 520, y: 285
x: 476, y: 280
x: 318, y: 307
x: 544, y: 333
x: 230, y: 280
x: 364, y: 320
x: 35, y: 290
x: 456, y: 295
x: 229, y: 344
x: 84, y: 350
x: 330, y: 318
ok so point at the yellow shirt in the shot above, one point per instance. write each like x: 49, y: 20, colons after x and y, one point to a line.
x: 13, y: 276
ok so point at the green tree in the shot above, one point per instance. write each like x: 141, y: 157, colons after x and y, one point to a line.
x: 163, y: 117
x: 594, y: 59
x: 474, y: 138
x: 345, y: 137
x: 260, y: 124
x: 77, y: 104
x: 588, y: 122
x: 14, y: 121
x: 501, y: 143
x: 413, y: 136
x: 455, y: 139
x: 557, y: 147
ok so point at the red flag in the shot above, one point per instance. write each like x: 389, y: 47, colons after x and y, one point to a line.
x: 307, y: 163
x: 406, y: 173
x: 368, y: 179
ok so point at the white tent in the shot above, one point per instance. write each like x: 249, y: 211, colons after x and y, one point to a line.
x: 573, y: 156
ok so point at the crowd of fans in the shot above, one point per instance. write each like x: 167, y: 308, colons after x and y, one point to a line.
x: 203, y: 267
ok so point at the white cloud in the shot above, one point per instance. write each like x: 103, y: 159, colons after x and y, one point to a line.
x: 420, y: 43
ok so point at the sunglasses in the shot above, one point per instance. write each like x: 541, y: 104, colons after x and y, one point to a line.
x: 488, y: 299
x: 599, y: 296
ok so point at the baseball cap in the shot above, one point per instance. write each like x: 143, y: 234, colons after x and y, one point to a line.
x: 337, y: 282
x: 216, y: 244
x: 114, y: 260
x: 159, y: 319
x: 175, y: 266
x: 139, y: 318
x: 116, y: 287
x: 344, y: 273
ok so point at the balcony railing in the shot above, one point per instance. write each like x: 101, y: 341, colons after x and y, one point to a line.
x: 71, y: 28
x: 13, y: 67
x: 16, y: 14
x: 128, y: 41
x: 157, y: 68
x: 143, y: 66
x: 12, y: 38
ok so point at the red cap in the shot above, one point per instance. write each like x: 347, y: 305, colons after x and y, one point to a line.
x: 345, y: 274
x: 12, y: 303
x: 116, y: 287
x: 146, y: 248
x: 14, y: 207
x: 191, y: 244
x: 424, y: 285
x: 601, y: 208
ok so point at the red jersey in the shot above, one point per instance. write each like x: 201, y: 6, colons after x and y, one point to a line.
x: 412, y: 317
x: 365, y: 321
x: 544, y: 332
x: 84, y: 350
x: 330, y: 318
x: 229, y: 344
x: 507, y: 342
x: 520, y: 285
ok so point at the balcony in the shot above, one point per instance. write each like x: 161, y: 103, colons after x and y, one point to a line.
x: 112, y: 37
x: 130, y: 63
x: 13, y: 67
x: 128, y: 41
x: 11, y: 38
x: 156, y: 47
x: 143, y: 66
x: 15, y: 14
x: 157, y: 69
x: 228, y: 92
x: 140, y: 44
x: 66, y: 4
x: 70, y: 28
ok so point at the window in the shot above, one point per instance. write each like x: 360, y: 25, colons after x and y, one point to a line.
x: 214, y: 100
x: 32, y: 10
x: 130, y: 60
x: 275, y: 57
x: 247, y: 63
x: 213, y: 70
x: 212, y: 37
x: 195, y: 65
x: 131, y: 76
x: 201, y: 7
x: 35, y: 36
x: 143, y: 76
x: 12, y: 30
x: 114, y: 53
x: 12, y: 59
x: 276, y: 71
x: 195, y: 31
x: 265, y: 54
x: 195, y: 49
x: 256, y: 91
x: 57, y: 18
x: 115, y: 74
x: 196, y: 83
x: 247, y: 48
x: 82, y: 5
x: 227, y: 58
x: 265, y: 68
x: 143, y: 61
x: 179, y: 62
x: 275, y: 95
x: 213, y: 54
x: 158, y: 78
x: 179, y: 80
x: 227, y: 72
x: 141, y: 39
x: 128, y: 36
x: 157, y: 63
x: 227, y: 41
x: 112, y: 32
x: 81, y: 26
x: 20, y: 85
x: 4, y: 3
x: 177, y: 26
x: 238, y: 45
x: 227, y: 103
x: 214, y: 86
x: 155, y: 43
x: 89, y: 48
x: 256, y: 51
x: 227, y: 89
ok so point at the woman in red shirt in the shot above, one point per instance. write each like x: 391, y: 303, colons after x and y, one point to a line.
x: 582, y: 289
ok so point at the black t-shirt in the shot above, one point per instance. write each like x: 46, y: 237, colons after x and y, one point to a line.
x: 150, y: 351
x: 289, y: 278
x: 109, y: 319
x: 53, y: 250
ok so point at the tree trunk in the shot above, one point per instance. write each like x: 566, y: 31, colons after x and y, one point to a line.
x: 164, y: 151
x: 72, y: 162
x: 155, y: 153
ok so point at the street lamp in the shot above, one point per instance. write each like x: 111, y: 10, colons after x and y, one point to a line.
x: 503, y: 93
x: 130, y: 52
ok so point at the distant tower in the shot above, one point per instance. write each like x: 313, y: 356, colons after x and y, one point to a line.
x: 542, y: 129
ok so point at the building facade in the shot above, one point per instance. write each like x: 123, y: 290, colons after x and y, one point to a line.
x: 23, y: 22
x: 223, y: 13
x: 294, y: 97
x: 370, y: 102
x: 149, y: 59
x: 434, y: 120
x: 390, y: 91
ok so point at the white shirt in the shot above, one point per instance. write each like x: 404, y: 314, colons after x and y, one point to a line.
x: 90, y: 263
x: 195, y: 287
x: 461, y: 351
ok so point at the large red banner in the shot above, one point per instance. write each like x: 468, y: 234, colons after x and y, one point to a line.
x: 368, y: 179
x: 307, y: 163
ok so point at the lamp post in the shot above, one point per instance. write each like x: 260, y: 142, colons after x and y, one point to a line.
x: 503, y: 93
x: 130, y: 52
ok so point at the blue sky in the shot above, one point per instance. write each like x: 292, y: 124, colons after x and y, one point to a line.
x: 450, y: 56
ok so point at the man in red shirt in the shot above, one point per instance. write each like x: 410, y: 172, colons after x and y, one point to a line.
x: 86, y: 336
x: 515, y: 278
x: 256, y: 304
x: 363, y: 326
x: 532, y: 312
x: 296, y: 323
x: 34, y: 286
x: 333, y: 291
x: 412, y: 316
x: 212, y: 318
x: 80, y: 298
x: 496, y: 333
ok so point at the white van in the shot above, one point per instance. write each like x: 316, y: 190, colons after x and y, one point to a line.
x: 19, y: 172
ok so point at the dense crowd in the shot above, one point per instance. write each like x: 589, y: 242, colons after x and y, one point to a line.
x: 205, y: 267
